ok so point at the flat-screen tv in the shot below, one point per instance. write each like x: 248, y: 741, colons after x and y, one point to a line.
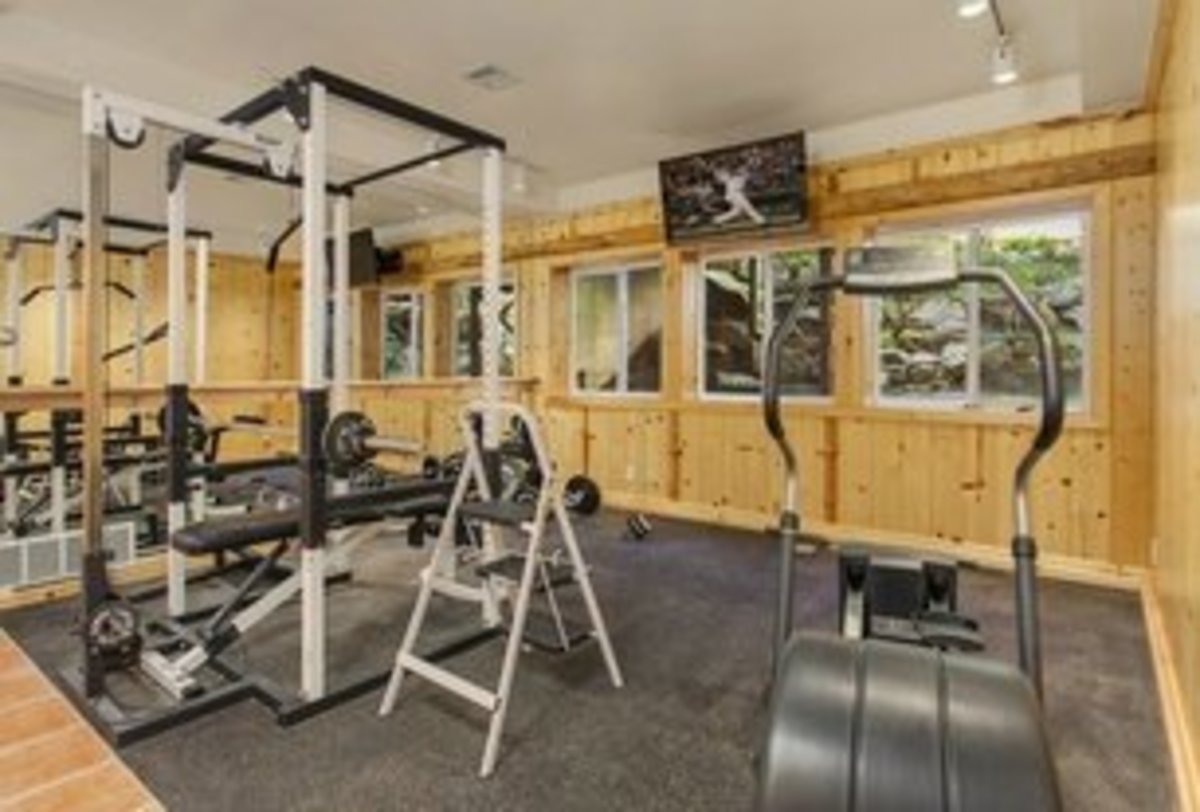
x: 744, y: 189
x: 364, y: 260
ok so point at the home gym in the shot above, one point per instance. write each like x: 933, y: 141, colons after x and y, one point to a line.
x: 682, y: 406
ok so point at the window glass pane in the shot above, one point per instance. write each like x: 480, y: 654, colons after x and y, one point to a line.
x: 733, y: 325
x: 923, y: 339
x: 1045, y: 257
x: 597, y: 333
x: 644, y: 349
x: 468, y: 329
x: 805, y: 359
x: 402, y: 336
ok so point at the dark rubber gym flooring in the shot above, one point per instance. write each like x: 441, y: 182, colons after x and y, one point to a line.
x: 689, y: 613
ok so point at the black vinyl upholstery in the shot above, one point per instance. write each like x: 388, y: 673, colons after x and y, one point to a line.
x: 875, y: 725
x: 419, y: 498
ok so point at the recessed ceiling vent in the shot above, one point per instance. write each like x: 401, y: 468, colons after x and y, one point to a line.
x: 492, y: 77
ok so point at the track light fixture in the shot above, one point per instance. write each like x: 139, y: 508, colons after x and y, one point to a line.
x: 970, y: 9
x: 1004, y: 55
x: 520, y: 183
x: 1004, y: 62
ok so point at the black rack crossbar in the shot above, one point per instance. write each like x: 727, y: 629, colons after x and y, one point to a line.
x: 388, y: 105
x: 246, y: 169
x: 405, y: 166
x: 49, y: 222
x: 195, y: 148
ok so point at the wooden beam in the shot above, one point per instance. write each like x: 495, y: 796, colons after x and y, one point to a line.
x: 1088, y: 167
x: 647, y: 234
x: 1160, y: 54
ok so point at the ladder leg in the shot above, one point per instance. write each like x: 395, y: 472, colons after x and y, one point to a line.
x: 410, y: 640
x: 589, y: 597
x: 512, y: 649
x: 560, y: 629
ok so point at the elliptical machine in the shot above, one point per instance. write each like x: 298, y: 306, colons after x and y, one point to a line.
x: 871, y: 723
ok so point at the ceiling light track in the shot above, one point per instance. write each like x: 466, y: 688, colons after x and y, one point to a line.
x: 1004, y: 53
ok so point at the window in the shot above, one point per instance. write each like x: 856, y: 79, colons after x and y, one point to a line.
x: 467, y: 349
x: 617, y: 331
x: 969, y: 346
x: 401, y: 336
x: 744, y: 296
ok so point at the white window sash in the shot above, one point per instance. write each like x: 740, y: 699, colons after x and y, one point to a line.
x: 764, y: 281
x: 400, y: 301
x: 974, y: 398
x: 622, y: 275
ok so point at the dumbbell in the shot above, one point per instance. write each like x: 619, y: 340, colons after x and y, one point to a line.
x: 350, y: 440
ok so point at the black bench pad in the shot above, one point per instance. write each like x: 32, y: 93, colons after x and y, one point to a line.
x: 234, y: 532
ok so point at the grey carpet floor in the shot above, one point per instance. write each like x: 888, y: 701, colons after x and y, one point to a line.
x: 689, y: 613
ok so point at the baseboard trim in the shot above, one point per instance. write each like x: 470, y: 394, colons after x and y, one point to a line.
x: 142, y: 569
x: 1184, y: 762
x: 1057, y: 567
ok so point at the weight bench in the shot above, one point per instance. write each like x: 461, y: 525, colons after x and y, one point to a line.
x: 355, y: 515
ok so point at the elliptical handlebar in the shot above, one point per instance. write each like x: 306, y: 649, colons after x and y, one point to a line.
x: 1024, y: 548
x: 1053, y: 412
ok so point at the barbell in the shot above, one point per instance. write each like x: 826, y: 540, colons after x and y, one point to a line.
x: 351, y: 440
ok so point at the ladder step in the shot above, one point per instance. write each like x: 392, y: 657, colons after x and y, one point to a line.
x: 512, y: 566
x: 450, y: 681
x: 499, y: 511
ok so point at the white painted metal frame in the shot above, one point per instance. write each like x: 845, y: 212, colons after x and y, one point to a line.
x: 200, y: 370
x: 314, y: 284
x: 103, y: 109
x: 490, y: 241
x: 60, y: 324
x: 621, y: 274
x: 341, y: 304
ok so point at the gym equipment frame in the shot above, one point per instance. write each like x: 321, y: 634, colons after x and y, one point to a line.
x: 870, y: 723
x: 110, y: 117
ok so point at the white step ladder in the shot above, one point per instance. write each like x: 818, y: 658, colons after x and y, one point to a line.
x: 499, y: 574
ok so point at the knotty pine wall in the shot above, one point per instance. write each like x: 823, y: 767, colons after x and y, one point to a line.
x: 937, y: 479
x: 252, y: 319
x: 1177, y: 510
x: 931, y: 478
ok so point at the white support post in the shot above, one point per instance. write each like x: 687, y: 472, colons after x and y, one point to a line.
x: 138, y: 270
x: 12, y: 309
x: 176, y: 371
x: 314, y: 287
x: 60, y: 325
x: 341, y: 303
x: 200, y: 372
x: 492, y: 260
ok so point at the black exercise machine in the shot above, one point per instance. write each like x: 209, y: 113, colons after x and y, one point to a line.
x: 858, y: 724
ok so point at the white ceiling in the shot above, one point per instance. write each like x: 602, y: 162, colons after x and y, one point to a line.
x: 606, y: 88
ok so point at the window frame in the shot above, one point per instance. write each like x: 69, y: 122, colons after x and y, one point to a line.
x: 701, y: 360
x: 418, y: 306
x: 463, y: 284
x: 973, y: 398
x: 622, y: 272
